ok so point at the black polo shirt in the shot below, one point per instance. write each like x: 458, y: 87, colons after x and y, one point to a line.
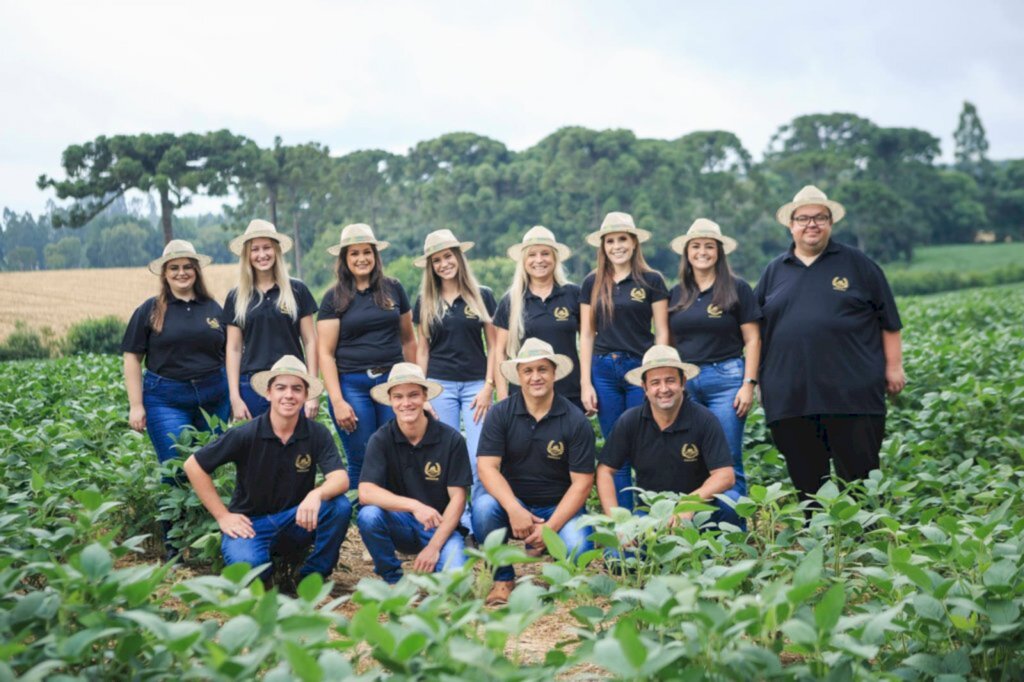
x: 703, y: 332
x: 423, y: 471
x: 370, y: 335
x: 630, y: 327
x: 556, y: 320
x: 457, y: 343
x: 191, y: 344
x: 270, y: 334
x: 821, y: 334
x: 271, y: 476
x: 678, y: 459
x: 537, y: 456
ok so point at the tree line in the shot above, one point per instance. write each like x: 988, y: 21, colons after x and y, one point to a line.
x: 897, y: 193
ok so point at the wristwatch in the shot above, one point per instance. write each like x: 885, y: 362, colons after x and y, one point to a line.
x: 750, y: 381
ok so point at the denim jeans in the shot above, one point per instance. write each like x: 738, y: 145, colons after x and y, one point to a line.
x: 172, y: 406
x: 256, y: 403
x: 614, y: 396
x: 355, y: 389
x: 489, y: 515
x: 715, y: 388
x: 385, y: 531
x: 452, y: 404
x: 274, y: 530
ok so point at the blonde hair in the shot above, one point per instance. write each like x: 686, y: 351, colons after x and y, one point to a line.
x: 517, y: 297
x: 604, y: 280
x: 432, y: 303
x: 246, y: 289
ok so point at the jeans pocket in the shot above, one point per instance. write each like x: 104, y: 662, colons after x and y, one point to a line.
x: 731, y: 368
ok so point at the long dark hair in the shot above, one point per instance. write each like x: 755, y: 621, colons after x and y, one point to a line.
x: 724, y: 297
x: 604, y: 280
x: 345, y: 287
x: 156, y: 316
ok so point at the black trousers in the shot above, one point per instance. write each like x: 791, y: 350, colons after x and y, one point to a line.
x: 809, y: 443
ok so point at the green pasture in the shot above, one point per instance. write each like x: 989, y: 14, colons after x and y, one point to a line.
x: 963, y: 257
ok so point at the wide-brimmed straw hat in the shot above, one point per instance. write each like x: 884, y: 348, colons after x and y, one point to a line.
x: 809, y: 196
x: 292, y: 366
x: 703, y: 228
x: 439, y: 240
x: 657, y: 357
x: 260, y: 229
x: 531, y: 351
x: 538, y: 235
x: 356, y: 233
x: 617, y: 222
x: 405, y: 373
x: 178, y: 248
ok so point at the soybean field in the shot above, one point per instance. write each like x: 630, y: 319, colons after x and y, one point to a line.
x: 917, y: 576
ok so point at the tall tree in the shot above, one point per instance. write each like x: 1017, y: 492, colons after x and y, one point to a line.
x: 971, y: 150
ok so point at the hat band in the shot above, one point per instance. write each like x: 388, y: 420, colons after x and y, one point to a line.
x: 539, y: 241
x: 704, y: 235
x: 357, y: 240
x: 407, y: 379
x: 181, y: 254
x: 618, y: 227
x: 441, y: 247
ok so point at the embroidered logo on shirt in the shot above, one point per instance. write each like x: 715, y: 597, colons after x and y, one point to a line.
x: 561, y: 313
x: 690, y: 452
x: 555, y: 449
x: 470, y: 313
x: 303, y: 463
x: 213, y: 322
x: 840, y: 283
x: 432, y: 471
x: 714, y: 311
x: 638, y: 294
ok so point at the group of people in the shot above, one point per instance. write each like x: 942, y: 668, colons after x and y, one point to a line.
x: 670, y: 374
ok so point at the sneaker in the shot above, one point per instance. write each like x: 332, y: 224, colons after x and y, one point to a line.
x: 500, y: 592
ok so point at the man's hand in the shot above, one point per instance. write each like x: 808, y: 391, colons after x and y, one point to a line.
x: 308, y: 511
x: 535, y: 540
x: 522, y: 522
x: 427, y: 516
x: 895, y: 379
x: 426, y: 560
x: 680, y: 519
x: 236, y: 526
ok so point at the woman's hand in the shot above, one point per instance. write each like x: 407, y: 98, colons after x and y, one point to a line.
x: 312, y: 408
x: 137, y: 418
x: 482, y: 402
x: 743, y: 400
x: 588, y: 396
x: 345, y: 416
x: 239, y: 410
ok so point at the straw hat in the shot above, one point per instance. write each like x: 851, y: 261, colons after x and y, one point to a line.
x: 538, y: 235
x: 808, y: 196
x: 703, y: 228
x: 292, y: 366
x: 405, y: 373
x: 531, y: 351
x: 439, y: 240
x: 617, y: 222
x: 257, y: 229
x: 356, y: 233
x: 178, y: 248
x: 661, y: 356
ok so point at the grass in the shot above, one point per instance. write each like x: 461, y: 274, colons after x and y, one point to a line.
x: 964, y: 257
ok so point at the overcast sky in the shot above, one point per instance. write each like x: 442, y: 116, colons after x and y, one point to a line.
x: 358, y: 75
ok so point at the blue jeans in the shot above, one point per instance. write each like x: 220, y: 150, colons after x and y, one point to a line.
x: 489, y: 515
x: 172, y: 406
x: 355, y: 389
x: 715, y: 388
x: 614, y: 396
x: 452, y: 404
x: 275, y: 530
x: 256, y: 403
x: 385, y: 531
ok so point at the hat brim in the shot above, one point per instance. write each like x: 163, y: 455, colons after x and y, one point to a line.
x: 380, y: 391
x: 260, y: 381
x: 636, y: 376
x: 336, y: 249
x: 563, y: 366
x: 594, y: 238
x: 156, y: 266
x: 785, y: 212
x: 238, y: 243
x: 679, y: 243
x: 515, y: 252
x: 421, y: 261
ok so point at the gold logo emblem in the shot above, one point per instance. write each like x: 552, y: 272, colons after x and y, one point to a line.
x: 840, y: 283
x: 471, y: 314
x: 432, y: 471
x: 638, y: 294
x: 555, y: 449
x: 714, y: 311
x: 303, y: 463
x: 690, y: 452
x: 213, y: 322
x: 561, y: 313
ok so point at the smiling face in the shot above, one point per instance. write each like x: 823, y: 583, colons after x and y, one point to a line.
x: 702, y: 254
x: 445, y: 264
x: 537, y: 378
x: 180, y: 275
x: 262, y: 254
x: 360, y: 259
x: 407, y: 401
x: 287, y: 395
x: 619, y: 247
x: 812, y: 237
x: 664, y: 387
x: 539, y: 262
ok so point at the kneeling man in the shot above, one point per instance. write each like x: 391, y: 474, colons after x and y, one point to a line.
x: 675, y: 444
x: 536, y: 461
x: 413, y: 486
x: 276, y: 504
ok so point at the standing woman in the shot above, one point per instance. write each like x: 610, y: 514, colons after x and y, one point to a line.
x: 619, y: 301
x: 715, y: 324
x: 267, y: 316
x: 543, y: 304
x: 364, y: 327
x: 179, y: 336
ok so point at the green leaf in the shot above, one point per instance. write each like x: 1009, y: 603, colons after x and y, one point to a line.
x: 303, y: 664
x: 96, y: 561
x: 309, y: 588
x: 556, y: 547
x: 830, y: 608
x: 632, y: 646
x: 735, y: 575
x: 929, y: 607
x: 238, y: 633
x: 1001, y: 574
x: 809, y: 570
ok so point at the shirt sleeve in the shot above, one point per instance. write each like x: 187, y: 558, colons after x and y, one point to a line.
x: 303, y: 298
x: 500, y: 319
x: 582, y: 446
x: 586, y: 289
x: 459, y: 471
x: 327, y: 311
x: 883, y: 300
x: 228, y: 315
x: 416, y: 311
x: 375, y: 461
x: 136, y: 336
x: 748, y: 310
x: 403, y: 298
x: 327, y: 457
x: 714, y: 447
x: 617, y: 446
x: 492, y: 437
x: 229, y: 447
x: 576, y: 301
x: 656, y: 283
x: 488, y: 296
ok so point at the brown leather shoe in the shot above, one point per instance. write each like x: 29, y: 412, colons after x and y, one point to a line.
x: 500, y: 592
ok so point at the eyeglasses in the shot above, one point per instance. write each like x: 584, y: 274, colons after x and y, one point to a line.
x: 804, y: 220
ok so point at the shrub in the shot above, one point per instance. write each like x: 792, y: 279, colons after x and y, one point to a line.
x: 916, y: 283
x: 23, y: 344
x: 101, y: 335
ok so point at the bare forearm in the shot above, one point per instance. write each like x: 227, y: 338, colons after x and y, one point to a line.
x: 371, y: 494
x: 717, y: 483
x: 335, y: 483
x: 892, y: 347
x: 133, y: 379
x: 202, y: 483
x: 497, y: 485
x: 573, y: 500
x: 606, y: 488
x: 449, y: 520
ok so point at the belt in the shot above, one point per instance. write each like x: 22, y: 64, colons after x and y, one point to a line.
x: 377, y: 372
